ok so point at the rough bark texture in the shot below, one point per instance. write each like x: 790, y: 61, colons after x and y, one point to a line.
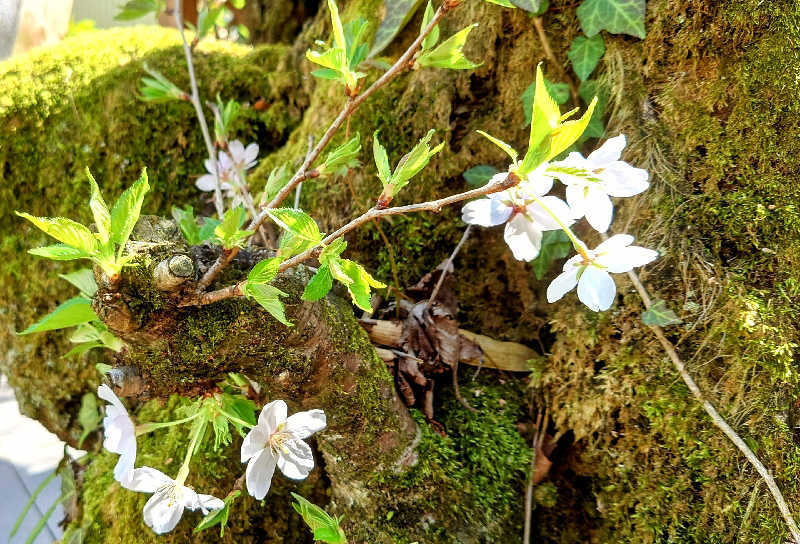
x: 709, y: 101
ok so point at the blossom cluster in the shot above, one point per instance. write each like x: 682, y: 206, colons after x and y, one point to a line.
x: 276, y: 440
x: 231, y: 167
x: 528, y: 211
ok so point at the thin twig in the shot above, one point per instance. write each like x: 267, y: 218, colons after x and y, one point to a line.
x: 198, y: 108
x: 448, y: 265
x: 718, y: 420
x: 351, y: 105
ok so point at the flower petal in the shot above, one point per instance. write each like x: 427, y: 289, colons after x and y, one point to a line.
x: 259, y: 474
x: 255, y: 441
x: 236, y: 150
x: 621, y: 179
x: 607, y: 153
x: 209, y: 502
x: 304, y: 424
x: 250, y: 155
x: 485, y: 212
x: 297, y: 460
x: 162, y: 512
x: 556, y: 206
x: 205, y: 182
x: 627, y: 258
x: 123, y: 471
x: 615, y: 243
x: 599, y: 210
x: 148, y: 480
x: 576, y: 198
x: 596, y: 289
x: 272, y: 415
x: 537, y: 183
x: 107, y: 394
x: 562, y: 284
x: 523, y: 238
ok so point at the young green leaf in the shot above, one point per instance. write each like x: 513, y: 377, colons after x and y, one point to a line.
x: 585, y: 53
x: 89, y: 416
x: 480, y: 175
x: 433, y: 37
x: 158, y: 88
x: 334, y: 249
x: 265, y: 271
x: 336, y: 22
x: 267, y: 297
x: 615, y: 16
x: 559, y: 92
x: 412, y: 162
x: 501, y: 144
x: 134, y: 9
x: 228, y: 232
x: 660, y: 315
x: 277, y: 180
x: 102, y: 217
x: 59, y: 252
x: 83, y: 279
x: 450, y: 53
x: 80, y: 349
x: 68, y: 314
x: 126, y: 210
x: 218, y: 517
x: 381, y: 160
x: 357, y: 280
x: 504, y: 3
x: 325, y: 527
x: 297, y: 222
x: 320, y: 284
x: 342, y: 158
x: 353, y: 33
x: 65, y: 230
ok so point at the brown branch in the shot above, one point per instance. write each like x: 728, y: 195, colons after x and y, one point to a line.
x: 351, y: 105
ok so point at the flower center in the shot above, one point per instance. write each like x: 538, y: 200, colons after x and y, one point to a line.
x: 171, y: 492
x: 278, y: 439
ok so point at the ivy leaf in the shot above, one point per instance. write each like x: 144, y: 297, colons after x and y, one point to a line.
x: 588, y: 89
x: 615, y: 16
x: 68, y: 314
x: 320, y: 284
x: 127, y: 208
x: 218, y: 517
x: 59, y: 252
x: 83, y: 279
x: 555, y: 245
x: 89, y: 416
x: 325, y: 527
x: 267, y: 297
x: 66, y: 231
x: 477, y: 176
x: 265, y: 271
x: 585, y: 53
x: 450, y: 53
x: 660, y: 315
x: 398, y: 13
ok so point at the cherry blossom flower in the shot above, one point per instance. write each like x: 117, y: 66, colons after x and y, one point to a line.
x: 238, y: 156
x: 206, y: 181
x: 237, y: 159
x: 592, y: 180
x: 164, y: 509
x: 278, y: 440
x: 590, y: 272
x: 120, y: 435
x: 524, y: 209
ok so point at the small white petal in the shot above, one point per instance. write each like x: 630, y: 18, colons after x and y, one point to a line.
x: 599, y: 210
x: 255, y: 441
x: 148, y: 480
x: 523, y: 237
x: 304, y: 424
x: 162, y: 512
x: 622, y: 180
x: 209, y: 502
x: 105, y: 393
x: 562, y: 284
x: 616, y: 242
x: 627, y: 258
x: 272, y: 415
x: 209, y: 164
x: 607, y: 153
x: 485, y: 212
x: 555, y: 206
x: 250, y: 155
x: 236, y: 150
x: 205, y: 182
x: 596, y: 289
x: 258, y: 475
x: 537, y: 183
x: 576, y: 198
x: 123, y: 471
x: 297, y: 461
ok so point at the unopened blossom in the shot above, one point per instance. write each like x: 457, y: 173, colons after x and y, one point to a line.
x: 120, y: 435
x: 278, y: 441
x: 164, y: 509
x: 592, y: 180
x: 524, y: 209
x: 590, y: 272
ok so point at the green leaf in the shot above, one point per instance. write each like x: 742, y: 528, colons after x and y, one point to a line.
x: 357, y: 280
x: 342, y: 158
x: 559, y: 92
x: 134, y: 9
x: 532, y: 6
x: 589, y: 89
x: 80, y: 349
x: 267, y: 297
x: 238, y: 4
x: 544, y: 112
x: 480, y: 175
x: 38, y: 491
x: 356, y: 51
x: 450, y: 53
x: 89, y: 416
x: 83, y: 279
x: 86, y: 332
x: 158, y: 88
x: 336, y: 22
x: 65, y: 230
x: 381, y: 160
x: 68, y: 314
x: 243, y: 31
x: 330, y: 535
x: 555, y: 245
x: 59, y: 252
x: 187, y: 223
x: 126, y: 210
x: 585, y: 53
x: 325, y: 527
x: 660, y: 315
x: 102, y: 217
x: 433, y: 37
x: 265, y: 271
x: 297, y: 222
x: 414, y: 161
x: 334, y: 249
x: 208, y: 18
x: 228, y: 232
x: 277, y: 180
x: 510, y: 151
x: 398, y: 13
x: 218, y: 517
x: 504, y: 3
x: 319, y: 285
x: 615, y: 16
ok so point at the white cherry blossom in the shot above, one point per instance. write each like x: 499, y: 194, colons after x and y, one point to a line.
x: 237, y: 159
x: 596, y: 288
x: 238, y: 156
x: 206, y: 181
x: 278, y: 440
x: 592, y: 180
x: 522, y: 209
x: 164, y: 509
x: 120, y: 435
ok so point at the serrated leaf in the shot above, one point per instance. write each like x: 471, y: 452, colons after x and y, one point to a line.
x: 381, y: 160
x: 89, y: 416
x: 325, y: 527
x: 59, y: 252
x: 73, y: 312
x: 299, y: 223
x: 265, y: 271
x: 342, y: 158
x: 336, y: 22
x: 66, y: 231
x: 357, y: 280
x: 398, y: 13
x: 320, y: 284
x: 83, y: 279
x: 480, y: 175
x: 615, y: 16
x: 414, y: 161
x: 218, y: 517
x: 102, y: 217
x: 555, y: 245
x: 660, y: 315
x: 267, y: 297
x: 229, y: 232
x: 187, y: 224
x: 585, y: 53
x: 334, y: 249
x: 510, y: 151
x: 126, y: 210
x: 450, y: 53
x: 559, y: 92
x: 433, y: 37
x: 277, y: 180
